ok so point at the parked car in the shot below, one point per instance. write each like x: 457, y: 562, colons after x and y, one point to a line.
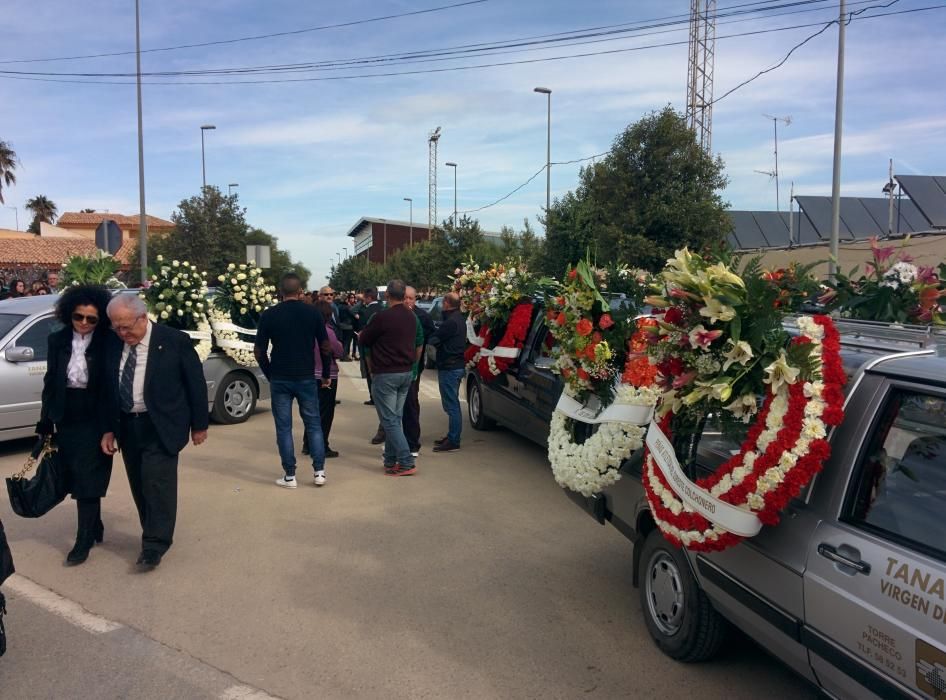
x: 848, y: 590
x: 25, y: 323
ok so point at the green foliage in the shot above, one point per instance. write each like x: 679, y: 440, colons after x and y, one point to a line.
x: 655, y: 192
x: 211, y: 231
x: 8, y: 163
x: 93, y: 269
x: 44, y: 211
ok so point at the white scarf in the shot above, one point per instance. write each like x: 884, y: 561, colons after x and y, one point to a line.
x: 77, y: 372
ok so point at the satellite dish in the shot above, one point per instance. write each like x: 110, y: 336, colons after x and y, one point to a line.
x: 108, y: 237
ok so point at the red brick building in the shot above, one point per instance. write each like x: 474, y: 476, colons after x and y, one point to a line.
x: 378, y: 238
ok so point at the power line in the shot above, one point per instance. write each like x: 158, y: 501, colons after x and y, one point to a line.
x: 257, y: 37
x: 18, y: 75
x: 505, y: 197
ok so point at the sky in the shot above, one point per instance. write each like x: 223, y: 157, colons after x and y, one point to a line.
x: 312, y: 157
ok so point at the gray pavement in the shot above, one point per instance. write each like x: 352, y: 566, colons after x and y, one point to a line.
x: 476, y: 578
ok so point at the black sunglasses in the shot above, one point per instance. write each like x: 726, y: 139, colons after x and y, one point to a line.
x: 79, y: 318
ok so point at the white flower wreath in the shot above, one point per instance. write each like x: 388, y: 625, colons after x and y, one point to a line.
x: 240, y: 351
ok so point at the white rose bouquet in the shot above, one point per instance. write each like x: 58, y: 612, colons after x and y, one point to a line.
x: 177, y: 297
x: 241, y: 297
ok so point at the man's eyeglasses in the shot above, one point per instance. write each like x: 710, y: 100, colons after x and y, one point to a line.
x: 79, y: 318
x: 128, y: 328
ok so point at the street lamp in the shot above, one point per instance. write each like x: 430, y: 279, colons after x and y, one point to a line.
x: 454, y: 166
x: 411, y: 202
x: 230, y: 187
x: 346, y: 253
x: 548, y: 157
x: 203, y: 164
x: 142, y: 215
x: 16, y: 213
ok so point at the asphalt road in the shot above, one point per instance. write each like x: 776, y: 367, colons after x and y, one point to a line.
x: 476, y: 578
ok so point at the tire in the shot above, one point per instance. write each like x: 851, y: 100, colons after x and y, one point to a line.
x: 679, y: 615
x: 474, y: 402
x: 235, y: 399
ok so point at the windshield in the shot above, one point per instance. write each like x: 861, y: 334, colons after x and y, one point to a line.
x: 8, y: 321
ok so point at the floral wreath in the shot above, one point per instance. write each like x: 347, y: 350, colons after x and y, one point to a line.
x: 719, y: 335
x: 177, y: 297
x: 241, y: 297
x: 588, y: 353
x: 491, y: 362
x: 783, y: 450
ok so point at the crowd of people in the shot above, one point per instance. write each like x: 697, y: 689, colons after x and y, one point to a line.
x: 116, y: 381
x: 47, y: 284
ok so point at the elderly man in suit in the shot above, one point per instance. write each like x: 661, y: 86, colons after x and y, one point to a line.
x: 156, y: 400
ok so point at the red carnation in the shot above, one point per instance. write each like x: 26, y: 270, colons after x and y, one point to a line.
x: 584, y: 327
x: 572, y: 274
x: 583, y: 375
x: 560, y: 319
x: 605, y: 321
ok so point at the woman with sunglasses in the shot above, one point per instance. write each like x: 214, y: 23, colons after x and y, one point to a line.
x: 73, y: 390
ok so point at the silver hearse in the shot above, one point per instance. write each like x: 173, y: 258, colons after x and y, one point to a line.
x: 25, y: 323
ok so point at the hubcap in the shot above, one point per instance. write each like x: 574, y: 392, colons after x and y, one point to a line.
x: 664, y: 589
x: 474, y: 404
x: 238, y: 398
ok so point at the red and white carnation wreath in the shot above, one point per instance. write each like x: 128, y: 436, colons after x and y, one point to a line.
x: 492, y: 362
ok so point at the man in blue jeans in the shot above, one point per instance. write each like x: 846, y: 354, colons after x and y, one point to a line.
x: 393, y: 341
x: 450, y: 341
x: 296, y: 331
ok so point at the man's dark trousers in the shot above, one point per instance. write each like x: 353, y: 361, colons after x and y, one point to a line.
x: 152, y: 476
x: 411, y: 420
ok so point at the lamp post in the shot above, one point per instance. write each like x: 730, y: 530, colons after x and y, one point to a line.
x: 16, y: 213
x: 346, y: 253
x: 454, y: 166
x: 411, y: 202
x: 339, y: 256
x: 203, y: 162
x: 836, y: 166
x: 229, y: 187
x: 548, y: 156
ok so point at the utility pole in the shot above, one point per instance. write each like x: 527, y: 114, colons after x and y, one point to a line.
x: 548, y: 156
x: 888, y: 190
x: 775, y: 120
x: 836, y: 169
x: 454, y: 166
x: 411, y: 202
x: 142, y: 216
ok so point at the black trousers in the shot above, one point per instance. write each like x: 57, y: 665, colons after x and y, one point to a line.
x: 152, y: 476
x: 411, y: 418
x: 326, y: 413
x: 347, y: 337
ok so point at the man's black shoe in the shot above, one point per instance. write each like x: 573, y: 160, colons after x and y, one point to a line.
x: 149, y: 559
x: 446, y: 446
x: 369, y: 402
x: 378, y: 438
x: 440, y: 441
x: 331, y: 453
x: 337, y: 401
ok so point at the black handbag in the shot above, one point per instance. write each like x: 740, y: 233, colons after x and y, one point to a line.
x: 31, y: 498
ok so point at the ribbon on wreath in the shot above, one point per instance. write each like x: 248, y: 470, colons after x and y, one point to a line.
x: 736, y: 520
x: 471, y: 337
x: 199, y: 335
x: 615, y: 413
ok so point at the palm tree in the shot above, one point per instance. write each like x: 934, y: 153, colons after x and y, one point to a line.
x: 43, y: 208
x: 8, y: 163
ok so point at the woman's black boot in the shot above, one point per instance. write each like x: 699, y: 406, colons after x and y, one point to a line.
x: 85, y: 532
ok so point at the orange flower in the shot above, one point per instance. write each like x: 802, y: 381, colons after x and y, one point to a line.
x: 560, y: 319
x: 605, y: 321
x: 572, y: 274
x: 584, y: 327
x: 638, y: 371
x: 583, y: 375
x: 590, y: 351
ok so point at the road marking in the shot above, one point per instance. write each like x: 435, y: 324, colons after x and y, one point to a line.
x: 245, y: 692
x: 56, y: 604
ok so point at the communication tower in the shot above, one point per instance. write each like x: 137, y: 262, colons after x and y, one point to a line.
x: 700, y: 70
x: 432, y: 180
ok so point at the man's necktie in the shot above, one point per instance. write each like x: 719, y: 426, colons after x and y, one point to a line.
x: 126, y: 387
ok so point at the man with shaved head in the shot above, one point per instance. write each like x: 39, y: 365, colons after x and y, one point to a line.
x: 412, y: 405
x: 450, y: 341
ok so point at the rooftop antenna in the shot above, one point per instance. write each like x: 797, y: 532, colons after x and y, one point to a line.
x: 774, y: 173
x: 432, y: 141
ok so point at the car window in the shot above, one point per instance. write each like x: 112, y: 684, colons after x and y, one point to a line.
x: 436, y: 311
x: 542, y: 344
x: 8, y: 321
x: 901, y: 487
x: 36, y: 337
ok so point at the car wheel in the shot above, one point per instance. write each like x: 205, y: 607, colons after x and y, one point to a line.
x: 679, y: 616
x: 474, y: 402
x: 235, y: 399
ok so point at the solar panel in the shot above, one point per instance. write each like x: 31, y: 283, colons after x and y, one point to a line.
x: 804, y: 232
x: 941, y: 181
x: 928, y: 196
x: 857, y: 219
x: 774, y: 227
x: 747, y: 231
x: 877, y: 208
x: 909, y: 217
x: 818, y: 211
x: 733, y: 241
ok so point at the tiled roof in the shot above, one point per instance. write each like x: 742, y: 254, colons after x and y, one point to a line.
x: 123, y: 255
x: 44, y: 251
x: 73, y: 218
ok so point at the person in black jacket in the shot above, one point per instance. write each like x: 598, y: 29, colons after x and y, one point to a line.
x: 411, y: 421
x: 450, y: 341
x: 156, y: 398
x: 73, y: 391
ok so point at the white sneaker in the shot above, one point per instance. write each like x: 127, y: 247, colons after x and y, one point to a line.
x: 415, y: 454
x: 320, y: 479
x: 286, y: 482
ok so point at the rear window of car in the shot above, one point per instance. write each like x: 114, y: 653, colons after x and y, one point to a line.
x: 8, y: 322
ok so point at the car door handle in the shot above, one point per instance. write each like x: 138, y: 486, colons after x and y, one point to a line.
x: 830, y: 552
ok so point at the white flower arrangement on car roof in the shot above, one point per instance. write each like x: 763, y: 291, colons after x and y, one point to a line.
x: 240, y: 299
x: 177, y: 297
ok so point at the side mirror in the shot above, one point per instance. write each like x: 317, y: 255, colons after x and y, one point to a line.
x: 19, y: 354
x: 543, y: 363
